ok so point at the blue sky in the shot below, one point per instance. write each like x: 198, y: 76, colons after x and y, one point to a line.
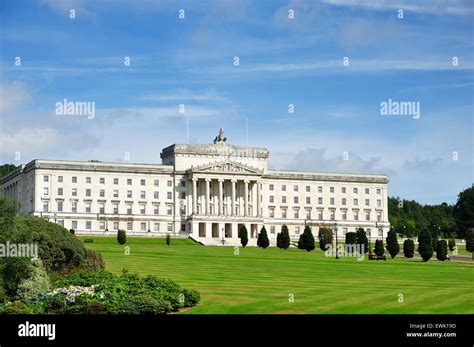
x: 282, y: 61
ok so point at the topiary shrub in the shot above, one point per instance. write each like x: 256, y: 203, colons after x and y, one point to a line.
x: 442, y: 251
x: 278, y: 243
x: 392, y: 243
x: 425, y: 247
x: 361, y: 239
x: 325, y: 238
x: 168, y: 239
x: 378, y: 249
x: 243, y: 236
x: 409, y: 248
x: 262, y: 240
x: 121, y: 236
x: 451, y: 244
x: 285, y: 237
x: 72, y: 231
x: 306, y: 240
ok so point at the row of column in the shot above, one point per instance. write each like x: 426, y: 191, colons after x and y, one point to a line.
x: 221, y: 196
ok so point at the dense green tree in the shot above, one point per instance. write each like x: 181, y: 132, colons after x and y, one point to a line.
x: 306, y: 240
x: 279, y: 245
x: 6, y: 168
x: 470, y: 240
x: 392, y: 243
x: 442, y: 250
x: 351, y: 239
x: 464, y: 211
x: 325, y: 237
x: 409, y: 248
x: 362, y: 239
x: 378, y: 249
x: 243, y: 236
x: 285, y: 237
x: 425, y: 246
x: 121, y: 236
x: 262, y: 240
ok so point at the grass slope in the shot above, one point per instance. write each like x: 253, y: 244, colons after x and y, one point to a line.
x: 261, y: 281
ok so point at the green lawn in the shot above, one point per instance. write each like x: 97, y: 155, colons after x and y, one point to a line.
x: 262, y: 280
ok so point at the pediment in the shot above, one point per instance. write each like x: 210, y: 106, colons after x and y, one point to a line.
x: 226, y: 167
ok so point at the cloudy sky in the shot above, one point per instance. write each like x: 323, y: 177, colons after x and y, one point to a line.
x: 425, y: 57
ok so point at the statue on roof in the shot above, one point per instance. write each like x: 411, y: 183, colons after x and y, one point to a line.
x: 220, y: 137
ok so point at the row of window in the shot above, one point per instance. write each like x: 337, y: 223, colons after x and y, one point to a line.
x: 332, y: 201
x: 297, y: 230
x: 320, y: 214
x: 88, y: 180
x: 129, y: 226
x: 114, y: 210
x: 88, y: 193
x: 355, y: 190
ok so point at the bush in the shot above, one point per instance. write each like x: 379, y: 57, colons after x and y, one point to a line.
x: 191, y: 297
x: 285, y: 237
x: 306, y: 240
x: 168, y: 239
x: 442, y: 250
x: 146, y: 304
x: 121, y: 236
x: 36, y: 282
x: 93, y: 261
x: 362, y: 239
x: 15, y: 307
x: 325, y: 238
x: 351, y: 238
x: 262, y: 240
x: 470, y: 240
x: 409, y: 248
x: 278, y: 243
x: 243, y: 236
x: 379, y: 250
x: 392, y: 243
x: 425, y: 247
x: 451, y: 244
x: 72, y: 231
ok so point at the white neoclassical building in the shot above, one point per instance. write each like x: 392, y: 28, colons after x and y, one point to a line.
x: 205, y: 191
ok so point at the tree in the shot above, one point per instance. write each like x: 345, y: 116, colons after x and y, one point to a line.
x: 464, y: 211
x: 470, y: 240
x: 425, y: 247
x: 409, y: 248
x: 168, y: 239
x: 243, y: 235
x: 279, y: 241
x: 121, y: 236
x: 434, y: 243
x: 442, y: 250
x: 362, y: 239
x: 351, y: 239
x: 392, y: 243
x: 325, y: 237
x: 262, y: 240
x: 306, y: 240
x: 451, y: 244
x: 379, y: 248
x: 285, y: 237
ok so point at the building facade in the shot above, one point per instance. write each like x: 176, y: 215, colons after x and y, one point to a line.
x: 206, y: 192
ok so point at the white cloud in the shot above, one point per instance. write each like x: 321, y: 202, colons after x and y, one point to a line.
x: 13, y: 96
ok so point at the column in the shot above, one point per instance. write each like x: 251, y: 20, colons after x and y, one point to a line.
x: 246, y: 197
x: 259, y: 213
x: 233, y: 197
x: 194, y: 196
x: 221, y: 197
x: 207, y: 200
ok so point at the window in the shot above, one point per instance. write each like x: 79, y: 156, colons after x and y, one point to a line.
x: 102, y: 180
x: 320, y: 189
x: 367, y: 202
x: 169, y: 210
x: 129, y: 194
x: 283, y: 213
x: 367, y: 191
x: 343, y: 201
x: 116, y: 193
x: 379, y: 203
x: 344, y: 215
x: 45, y: 191
x: 88, y: 180
x: 308, y: 213
x: 129, y: 209
x: 88, y: 225
x: 183, y: 184
x: 271, y: 212
x: 283, y: 199
x: 102, y: 225
x: 295, y: 188
x: 142, y: 208
x: 116, y: 181
x: 60, y: 179
x: 142, y: 226
x: 283, y: 188
x: 169, y: 195
x: 156, y: 195
x: 295, y: 200
x: 331, y: 189
x: 129, y: 181
x: 308, y: 200
x: 332, y: 214
x: 272, y: 230
x: 355, y: 190
x: 296, y: 213
x: 343, y: 190
x: 142, y: 182
x: 88, y: 192
x: 74, y: 206
x: 156, y: 227
x: 115, y: 207
x: 331, y: 201
x: 60, y: 206
x: 367, y: 215
x: 102, y: 208
x: 156, y: 209
x: 142, y: 194
x: 88, y: 207
x: 129, y: 226
x: 170, y: 227
x: 102, y: 193
x: 60, y: 191
x: 297, y: 230
x: 183, y: 227
x: 356, y: 215
x: 45, y: 178
x: 379, y: 216
x: 156, y: 183
x: 183, y: 195
x: 271, y: 187
x: 308, y: 189
x: 320, y: 200
x: 74, y: 224
x: 116, y: 225
x: 379, y: 191
x: 356, y: 202
x: 169, y: 183
x: 271, y: 199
